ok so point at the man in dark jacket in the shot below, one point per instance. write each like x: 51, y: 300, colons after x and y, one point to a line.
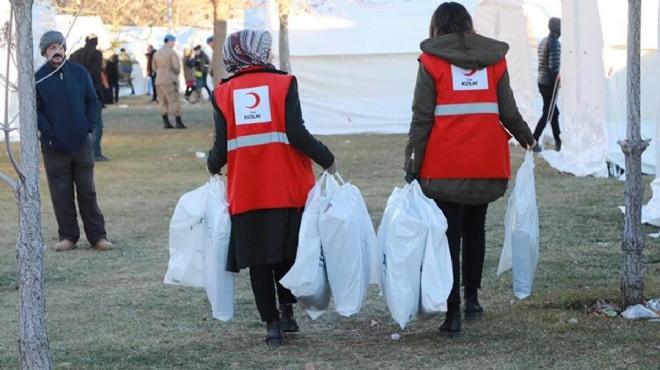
x: 151, y: 73
x: 67, y: 109
x: 112, y: 71
x: 549, y: 60
x: 92, y: 60
x: 202, y: 64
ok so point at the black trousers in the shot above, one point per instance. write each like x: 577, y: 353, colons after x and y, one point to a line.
x: 546, y: 93
x: 114, y: 86
x: 466, y: 224
x: 153, y: 87
x: 71, y: 175
x: 200, y: 84
x: 265, y: 282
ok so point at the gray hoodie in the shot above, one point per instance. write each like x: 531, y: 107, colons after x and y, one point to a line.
x: 469, y: 51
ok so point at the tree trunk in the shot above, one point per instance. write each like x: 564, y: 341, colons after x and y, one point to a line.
x: 632, y: 282
x: 285, y: 58
x: 33, y: 340
x: 220, y: 16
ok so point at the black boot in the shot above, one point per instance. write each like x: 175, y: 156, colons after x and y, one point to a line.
x: 166, y: 122
x: 273, y: 334
x: 452, y: 325
x: 179, y: 123
x: 287, y: 321
x: 473, y: 309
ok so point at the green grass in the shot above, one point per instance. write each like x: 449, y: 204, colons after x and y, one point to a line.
x: 112, y: 311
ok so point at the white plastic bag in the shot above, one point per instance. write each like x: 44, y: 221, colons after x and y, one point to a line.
x: 639, y: 311
x: 348, y: 239
x: 437, y: 272
x: 415, y: 261
x: 188, y: 234
x: 199, y: 239
x: 521, y: 231
x: 218, y: 281
x: 307, y: 279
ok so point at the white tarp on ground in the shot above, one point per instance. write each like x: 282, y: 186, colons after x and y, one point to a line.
x: 584, y: 137
x: 584, y: 156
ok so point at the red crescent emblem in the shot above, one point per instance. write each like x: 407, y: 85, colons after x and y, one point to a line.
x: 472, y: 72
x: 257, y: 100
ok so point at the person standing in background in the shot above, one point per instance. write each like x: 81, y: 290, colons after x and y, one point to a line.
x: 167, y: 66
x: 112, y: 72
x: 549, y: 79
x: 151, y: 73
x: 188, y: 62
x: 67, y: 110
x: 126, y: 68
x: 92, y: 59
x: 202, y: 64
x: 210, y: 44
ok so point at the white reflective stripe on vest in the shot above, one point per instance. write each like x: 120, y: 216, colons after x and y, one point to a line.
x: 467, y: 108
x: 258, y: 139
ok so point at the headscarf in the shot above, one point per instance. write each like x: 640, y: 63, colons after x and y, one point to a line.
x: 247, y: 48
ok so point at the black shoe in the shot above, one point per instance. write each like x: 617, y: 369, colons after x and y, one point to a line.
x: 536, y: 148
x: 101, y: 158
x: 273, y: 334
x: 288, y: 323
x: 558, y: 146
x: 166, y: 122
x: 473, y: 309
x: 179, y: 122
x: 452, y: 325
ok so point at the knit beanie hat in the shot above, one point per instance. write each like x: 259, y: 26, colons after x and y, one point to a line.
x: 49, y: 38
x: 169, y: 37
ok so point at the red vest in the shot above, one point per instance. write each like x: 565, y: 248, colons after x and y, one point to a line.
x: 467, y: 140
x: 263, y: 170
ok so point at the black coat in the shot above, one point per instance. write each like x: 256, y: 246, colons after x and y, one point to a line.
x: 92, y: 60
x: 112, y: 70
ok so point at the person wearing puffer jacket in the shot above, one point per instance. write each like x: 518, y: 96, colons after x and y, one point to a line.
x: 549, y: 52
x: 458, y: 150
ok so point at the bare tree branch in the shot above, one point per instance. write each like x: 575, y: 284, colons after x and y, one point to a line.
x: 11, y: 182
x: 6, y: 125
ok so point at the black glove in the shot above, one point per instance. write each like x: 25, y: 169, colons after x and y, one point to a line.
x: 409, y: 177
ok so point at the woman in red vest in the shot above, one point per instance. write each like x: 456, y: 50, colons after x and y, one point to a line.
x: 261, y: 137
x: 457, y: 145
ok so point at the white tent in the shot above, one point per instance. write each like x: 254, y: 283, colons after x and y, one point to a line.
x: 43, y: 19
x: 583, y: 93
x: 651, y: 211
x: 136, y: 39
x: 357, y: 63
